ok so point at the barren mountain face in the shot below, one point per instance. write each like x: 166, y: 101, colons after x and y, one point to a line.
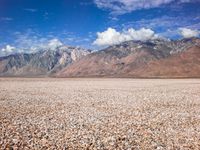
x: 132, y: 58
x: 152, y: 58
x: 185, y: 64
x: 40, y: 63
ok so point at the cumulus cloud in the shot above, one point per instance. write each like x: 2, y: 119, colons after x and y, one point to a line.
x: 111, y: 36
x: 54, y: 43
x: 44, y: 44
x: 29, y: 39
x: 8, y: 49
x: 118, y: 7
x: 32, y: 41
x: 188, y: 33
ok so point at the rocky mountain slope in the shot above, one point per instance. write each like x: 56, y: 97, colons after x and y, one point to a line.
x: 153, y: 58
x: 45, y: 62
x: 180, y: 65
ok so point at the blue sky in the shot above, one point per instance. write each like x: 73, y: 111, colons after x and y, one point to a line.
x: 25, y: 24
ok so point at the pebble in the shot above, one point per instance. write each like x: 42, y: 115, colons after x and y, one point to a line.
x: 99, y: 113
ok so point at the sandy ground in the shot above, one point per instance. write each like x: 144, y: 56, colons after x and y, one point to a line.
x: 99, y: 114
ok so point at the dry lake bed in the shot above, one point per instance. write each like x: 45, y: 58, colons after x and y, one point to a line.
x: 47, y: 113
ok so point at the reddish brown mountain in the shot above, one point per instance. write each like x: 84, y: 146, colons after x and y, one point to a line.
x: 181, y: 65
x: 155, y: 58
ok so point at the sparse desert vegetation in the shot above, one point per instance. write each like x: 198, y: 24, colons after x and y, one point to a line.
x: 47, y: 113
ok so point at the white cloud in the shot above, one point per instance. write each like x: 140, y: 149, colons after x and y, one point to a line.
x: 111, y: 36
x: 8, y: 49
x: 30, y: 9
x: 54, y: 43
x: 32, y: 41
x: 6, y: 19
x: 188, y: 33
x: 118, y: 7
x: 28, y: 39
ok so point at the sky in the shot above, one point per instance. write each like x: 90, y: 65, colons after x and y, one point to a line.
x: 27, y: 25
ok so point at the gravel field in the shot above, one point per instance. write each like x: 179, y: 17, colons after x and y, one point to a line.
x: 138, y: 114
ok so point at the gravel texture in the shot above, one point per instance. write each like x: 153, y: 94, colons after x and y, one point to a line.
x: 99, y: 114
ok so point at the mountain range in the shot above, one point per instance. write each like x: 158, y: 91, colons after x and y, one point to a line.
x: 42, y: 63
x: 158, y: 58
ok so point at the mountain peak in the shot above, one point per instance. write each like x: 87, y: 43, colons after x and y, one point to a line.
x: 42, y: 62
x: 131, y: 58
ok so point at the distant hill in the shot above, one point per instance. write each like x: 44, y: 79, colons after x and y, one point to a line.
x: 157, y: 58
x: 153, y: 58
x: 41, y: 63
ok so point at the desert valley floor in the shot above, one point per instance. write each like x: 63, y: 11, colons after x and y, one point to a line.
x: 48, y: 113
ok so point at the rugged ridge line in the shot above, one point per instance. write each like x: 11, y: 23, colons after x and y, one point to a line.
x: 153, y: 58
x: 41, y: 63
x: 156, y: 58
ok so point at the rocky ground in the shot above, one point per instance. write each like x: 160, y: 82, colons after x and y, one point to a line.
x: 99, y: 114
